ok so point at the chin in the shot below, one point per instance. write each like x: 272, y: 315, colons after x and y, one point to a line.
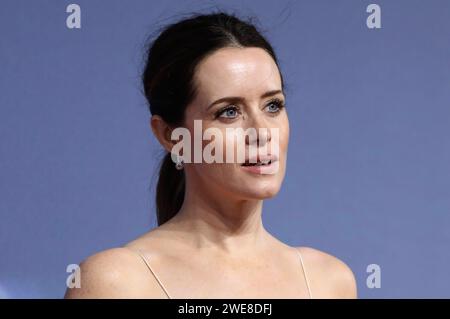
x: 263, y: 191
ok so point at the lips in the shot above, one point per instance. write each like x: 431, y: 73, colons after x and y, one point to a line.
x: 261, y: 160
x: 262, y: 166
x: 258, y: 163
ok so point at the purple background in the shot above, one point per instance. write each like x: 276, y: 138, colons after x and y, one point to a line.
x: 368, y: 176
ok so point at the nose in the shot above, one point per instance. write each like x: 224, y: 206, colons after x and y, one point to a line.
x: 259, y: 133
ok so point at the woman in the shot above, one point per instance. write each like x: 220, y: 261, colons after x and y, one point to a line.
x: 210, y: 241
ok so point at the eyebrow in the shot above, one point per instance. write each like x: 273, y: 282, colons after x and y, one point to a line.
x: 233, y: 99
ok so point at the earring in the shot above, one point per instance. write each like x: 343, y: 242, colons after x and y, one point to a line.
x: 179, y: 163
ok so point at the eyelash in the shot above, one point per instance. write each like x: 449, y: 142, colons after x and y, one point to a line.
x: 279, y: 103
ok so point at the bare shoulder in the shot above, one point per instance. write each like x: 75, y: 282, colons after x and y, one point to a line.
x: 329, y: 276
x: 115, y: 273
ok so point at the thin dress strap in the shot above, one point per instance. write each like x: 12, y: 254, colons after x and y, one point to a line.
x: 304, y: 273
x: 151, y: 270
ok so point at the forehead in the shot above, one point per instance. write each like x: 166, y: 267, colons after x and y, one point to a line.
x: 245, y: 72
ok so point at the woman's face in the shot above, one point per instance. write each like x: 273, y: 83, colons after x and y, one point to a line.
x: 251, y: 76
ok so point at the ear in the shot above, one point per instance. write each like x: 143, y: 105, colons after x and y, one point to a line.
x: 162, y: 131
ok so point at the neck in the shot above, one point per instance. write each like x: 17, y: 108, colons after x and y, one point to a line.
x: 215, y: 220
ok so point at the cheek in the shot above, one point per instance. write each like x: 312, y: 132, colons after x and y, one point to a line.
x: 230, y: 140
x: 284, y: 134
x: 280, y: 136
x: 214, y: 145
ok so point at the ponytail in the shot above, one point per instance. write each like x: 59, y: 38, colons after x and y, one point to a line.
x: 169, y: 190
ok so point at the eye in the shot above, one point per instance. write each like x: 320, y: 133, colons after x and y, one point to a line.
x: 229, y: 112
x: 275, y: 106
